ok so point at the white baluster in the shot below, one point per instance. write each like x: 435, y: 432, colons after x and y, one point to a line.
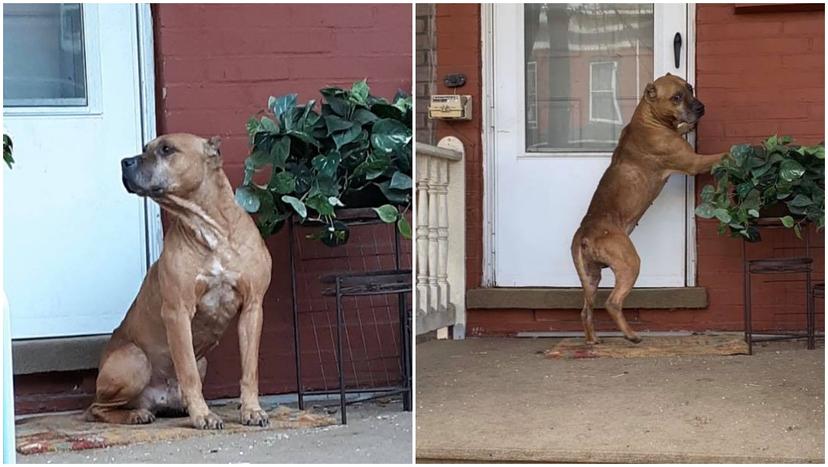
x: 442, y: 234
x: 422, y: 234
x: 433, y: 221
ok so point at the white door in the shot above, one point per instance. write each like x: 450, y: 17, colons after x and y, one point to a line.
x: 75, y: 241
x: 566, y: 79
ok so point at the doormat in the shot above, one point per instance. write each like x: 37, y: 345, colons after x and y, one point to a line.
x: 680, y: 346
x: 70, y: 432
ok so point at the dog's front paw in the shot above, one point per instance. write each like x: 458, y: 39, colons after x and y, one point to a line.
x: 254, y: 416
x: 140, y: 417
x: 209, y: 421
x: 593, y: 341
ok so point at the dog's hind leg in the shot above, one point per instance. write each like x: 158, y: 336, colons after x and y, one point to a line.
x: 589, y: 273
x: 124, y: 373
x: 618, y: 252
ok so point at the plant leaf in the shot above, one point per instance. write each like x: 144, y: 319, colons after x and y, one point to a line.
x: 266, y: 124
x: 320, y: 204
x: 297, y: 205
x: 387, y: 213
x: 363, y: 116
x: 336, y: 123
x: 389, y: 136
x: 344, y: 137
x: 339, y: 105
x: 283, y: 182
x: 404, y: 227
x: 359, y: 92
x: 704, y: 210
x: 280, y: 105
x: 800, y: 200
x: 790, y: 170
x: 400, y: 181
x: 257, y: 160
x: 252, y: 126
x: 247, y: 199
x: 787, y: 221
x: 326, y: 165
x: 723, y: 215
x: 280, y: 151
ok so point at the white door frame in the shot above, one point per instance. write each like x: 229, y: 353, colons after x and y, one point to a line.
x: 146, y: 70
x: 489, y: 149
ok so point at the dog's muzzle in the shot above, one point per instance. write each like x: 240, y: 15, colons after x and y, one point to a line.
x: 129, y: 167
x: 698, y: 109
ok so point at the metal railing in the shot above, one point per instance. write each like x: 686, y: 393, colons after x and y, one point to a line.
x: 441, y: 225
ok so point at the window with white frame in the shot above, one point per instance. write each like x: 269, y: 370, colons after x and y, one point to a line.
x: 603, y: 93
x: 43, y: 49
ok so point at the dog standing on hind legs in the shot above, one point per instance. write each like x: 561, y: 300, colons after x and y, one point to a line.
x: 650, y: 149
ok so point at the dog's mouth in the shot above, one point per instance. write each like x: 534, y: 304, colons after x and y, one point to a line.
x: 154, y: 192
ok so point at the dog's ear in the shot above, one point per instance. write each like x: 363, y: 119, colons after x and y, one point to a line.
x: 211, y: 149
x: 650, y: 92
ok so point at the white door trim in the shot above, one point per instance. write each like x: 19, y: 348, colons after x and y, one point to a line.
x: 489, y: 149
x: 146, y: 70
x: 690, y: 210
x: 488, y: 139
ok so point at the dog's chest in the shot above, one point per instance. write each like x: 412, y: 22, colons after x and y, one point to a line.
x: 220, y: 298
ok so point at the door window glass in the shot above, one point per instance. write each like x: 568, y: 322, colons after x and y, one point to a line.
x: 43, y: 55
x: 585, y: 68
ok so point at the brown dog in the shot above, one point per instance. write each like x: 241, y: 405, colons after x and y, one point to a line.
x: 214, y: 265
x: 649, y: 150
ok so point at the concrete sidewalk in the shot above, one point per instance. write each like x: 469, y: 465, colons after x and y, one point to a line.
x: 500, y: 399
x: 376, y: 433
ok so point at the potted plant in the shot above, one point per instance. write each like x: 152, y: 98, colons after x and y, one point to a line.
x: 775, y: 179
x: 352, y: 151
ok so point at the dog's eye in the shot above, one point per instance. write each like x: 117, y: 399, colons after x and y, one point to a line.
x: 677, y: 98
x: 166, y: 150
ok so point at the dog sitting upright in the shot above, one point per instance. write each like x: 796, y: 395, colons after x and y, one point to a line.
x: 214, y: 265
x: 650, y: 149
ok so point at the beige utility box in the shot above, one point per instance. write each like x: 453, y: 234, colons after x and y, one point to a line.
x: 450, y: 107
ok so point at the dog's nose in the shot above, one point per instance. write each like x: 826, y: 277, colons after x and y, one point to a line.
x: 129, y: 162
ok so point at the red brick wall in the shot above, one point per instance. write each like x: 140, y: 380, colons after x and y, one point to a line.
x: 216, y: 65
x: 757, y: 74
x: 459, y: 51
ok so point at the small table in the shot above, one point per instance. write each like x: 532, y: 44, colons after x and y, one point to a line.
x: 397, y: 281
x: 789, y: 265
x: 372, y: 283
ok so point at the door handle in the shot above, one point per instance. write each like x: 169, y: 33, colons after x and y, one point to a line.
x: 677, y: 48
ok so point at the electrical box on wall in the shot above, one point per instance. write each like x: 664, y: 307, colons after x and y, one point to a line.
x: 450, y: 107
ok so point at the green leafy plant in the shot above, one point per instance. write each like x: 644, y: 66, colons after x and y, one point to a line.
x: 7, y: 150
x: 307, y: 160
x: 774, y: 179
